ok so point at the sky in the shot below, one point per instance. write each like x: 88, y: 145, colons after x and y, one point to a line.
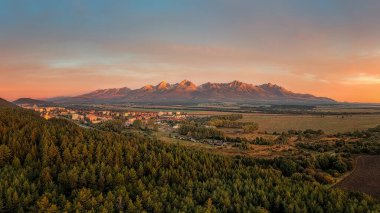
x: 327, y: 48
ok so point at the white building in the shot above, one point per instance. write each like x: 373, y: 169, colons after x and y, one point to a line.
x: 75, y: 116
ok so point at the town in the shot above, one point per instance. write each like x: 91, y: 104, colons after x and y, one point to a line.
x: 91, y: 116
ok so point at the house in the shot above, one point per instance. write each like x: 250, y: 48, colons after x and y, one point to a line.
x: 49, y: 109
x: 91, y: 117
x: 130, y: 121
x: 77, y: 117
x: 106, y: 112
x: 177, y: 126
x: 47, y: 116
x: 64, y: 113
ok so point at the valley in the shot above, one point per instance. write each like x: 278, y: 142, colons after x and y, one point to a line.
x: 314, y: 150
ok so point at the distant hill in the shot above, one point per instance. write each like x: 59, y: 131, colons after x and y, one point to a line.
x: 188, y: 92
x: 33, y: 102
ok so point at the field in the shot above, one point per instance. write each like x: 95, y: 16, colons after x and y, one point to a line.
x: 365, y: 177
x: 357, y: 117
x: 329, y: 124
x: 256, y: 151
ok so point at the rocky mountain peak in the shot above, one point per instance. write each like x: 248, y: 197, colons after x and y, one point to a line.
x: 163, y: 85
x: 185, y: 84
x: 148, y: 87
x: 235, y: 83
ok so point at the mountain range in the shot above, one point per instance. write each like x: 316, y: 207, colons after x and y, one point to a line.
x: 187, y: 92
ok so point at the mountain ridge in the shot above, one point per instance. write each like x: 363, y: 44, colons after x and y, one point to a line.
x: 5, y: 103
x: 31, y: 101
x: 187, y: 92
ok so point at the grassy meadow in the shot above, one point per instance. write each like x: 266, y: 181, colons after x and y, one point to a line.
x: 284, y: 122
x: 329, y: 124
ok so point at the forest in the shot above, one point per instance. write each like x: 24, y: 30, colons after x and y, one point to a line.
x: 55, y: 165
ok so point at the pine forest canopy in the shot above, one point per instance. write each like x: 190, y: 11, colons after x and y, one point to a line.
x: 55, y: 165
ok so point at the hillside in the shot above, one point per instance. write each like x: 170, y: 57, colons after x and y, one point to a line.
x: 4, y: 103
x: 188, y: 92
x: 54, y: 166
x: 30, y: 101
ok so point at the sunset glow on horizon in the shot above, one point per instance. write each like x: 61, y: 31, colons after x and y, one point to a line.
x: 328, y: 48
